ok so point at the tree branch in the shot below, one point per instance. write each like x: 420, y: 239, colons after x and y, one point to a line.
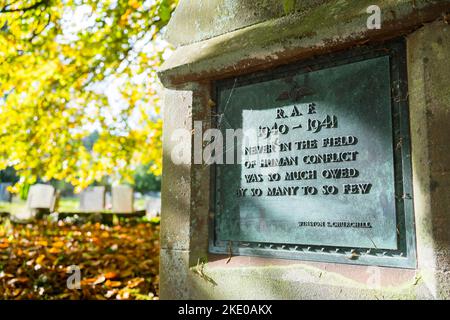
x: 31, y: 7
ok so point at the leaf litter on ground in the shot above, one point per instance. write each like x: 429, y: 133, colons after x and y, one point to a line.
x: 115, y: 262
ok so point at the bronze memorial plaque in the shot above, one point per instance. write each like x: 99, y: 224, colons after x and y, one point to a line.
x: 322, y: 171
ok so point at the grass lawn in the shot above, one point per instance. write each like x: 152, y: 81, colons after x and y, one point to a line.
x: 11, y: 207
x: 66, y: 204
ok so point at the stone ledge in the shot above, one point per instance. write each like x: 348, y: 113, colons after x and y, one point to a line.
x: 262, y: 278
x: 332, y: 26
x: 216, y: 17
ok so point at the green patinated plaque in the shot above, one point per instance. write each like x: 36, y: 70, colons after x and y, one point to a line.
x: 317, y: 166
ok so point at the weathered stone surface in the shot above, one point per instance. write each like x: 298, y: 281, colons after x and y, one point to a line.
x: 216, y: 17
x: 174, y: 281
x: 332, y: 26
x: 185, y: 187
x: 429, y: 96
x: 175, y: 187
x: 259, y: 278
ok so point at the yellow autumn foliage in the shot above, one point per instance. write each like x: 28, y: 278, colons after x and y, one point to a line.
x: 62, y: 62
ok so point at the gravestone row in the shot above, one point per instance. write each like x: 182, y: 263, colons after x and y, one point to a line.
x: 42, y: 197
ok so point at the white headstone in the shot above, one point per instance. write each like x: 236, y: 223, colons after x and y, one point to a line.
x: 153, y: 207
x: 122, y: 199
x: 41, y: 196
x: 93, y: 199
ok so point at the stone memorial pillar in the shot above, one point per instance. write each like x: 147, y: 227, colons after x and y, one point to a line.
x: 267, y: 57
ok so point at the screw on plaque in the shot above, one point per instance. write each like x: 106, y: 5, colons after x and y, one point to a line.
x: 353, y: 255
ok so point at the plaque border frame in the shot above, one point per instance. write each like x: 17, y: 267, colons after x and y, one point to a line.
x: 405, y: 256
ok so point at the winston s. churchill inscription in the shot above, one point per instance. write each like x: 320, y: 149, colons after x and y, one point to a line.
x: 317, y: 166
